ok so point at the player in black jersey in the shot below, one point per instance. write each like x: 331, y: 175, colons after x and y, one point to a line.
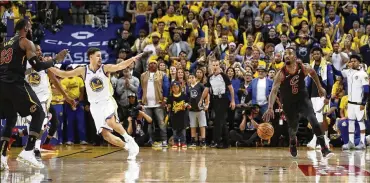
x: 16, y: 96
x: 295, y: 99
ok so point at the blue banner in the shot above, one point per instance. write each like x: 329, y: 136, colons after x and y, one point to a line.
x: 78, y: 39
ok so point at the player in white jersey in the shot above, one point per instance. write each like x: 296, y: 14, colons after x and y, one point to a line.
x: 358, y: 91
x: 99, y: 91
x: 39, y: 81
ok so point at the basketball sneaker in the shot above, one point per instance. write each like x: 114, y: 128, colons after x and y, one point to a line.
x: 345, y: 147
x: 48, y: 147
x: 312, y: 144
x: 164, y: 143
x: 351, y: 145
x: 133, y: 150
x: 203, y: 144
x: 360, y: 146
x: 28, y: 157
x: 184, y: 146
x: 175, y: 146
x: 37, y: 154
x: 326, y: 153
x: 293, y: 147
x: 4, y: 163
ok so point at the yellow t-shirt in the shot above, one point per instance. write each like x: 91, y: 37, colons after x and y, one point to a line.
x: 296, y: 20
x: 260, y: 62
x: 277, y: 66
x: 167, y: 20
x: 57, y: 97
x: 343, y: 105
x: 231, y: 23
x: 72, y: 86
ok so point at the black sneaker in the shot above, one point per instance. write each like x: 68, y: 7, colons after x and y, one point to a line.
x: 221, y: 146
x: 213, y: 145
x: 37, y: 154
x: 203, y: 144
x: 293, y: 149
x: 326, y: 153
x: 193, y: 145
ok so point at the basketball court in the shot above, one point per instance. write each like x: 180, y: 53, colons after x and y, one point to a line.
x: 109, y: 164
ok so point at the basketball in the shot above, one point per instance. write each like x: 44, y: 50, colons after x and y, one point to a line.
x: 265, y: 131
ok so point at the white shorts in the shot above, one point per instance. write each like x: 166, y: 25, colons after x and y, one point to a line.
x: 354, y: 112
x: 101, y: 111
x: 318, y: 107
x: 200, y: 116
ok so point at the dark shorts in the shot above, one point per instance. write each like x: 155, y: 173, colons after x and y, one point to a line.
x: 17, y: 98
x: 293, y: 110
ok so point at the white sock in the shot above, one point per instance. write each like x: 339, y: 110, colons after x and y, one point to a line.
x: 126, y: 136
x: 351, y: 131
x: 362, y: 128
x: 38, y: 144
x: 314, y: 139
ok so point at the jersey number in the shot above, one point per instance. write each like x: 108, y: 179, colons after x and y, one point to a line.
x: 6, y: 56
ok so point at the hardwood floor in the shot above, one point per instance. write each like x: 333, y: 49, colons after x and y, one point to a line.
x: 109, y: 164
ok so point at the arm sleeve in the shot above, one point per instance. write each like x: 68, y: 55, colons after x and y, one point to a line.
x: 39, y: 66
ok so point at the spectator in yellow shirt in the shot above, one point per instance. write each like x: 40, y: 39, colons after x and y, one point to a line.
x: 171, y: 17
x: 227, y: 21
x: 75, y: 90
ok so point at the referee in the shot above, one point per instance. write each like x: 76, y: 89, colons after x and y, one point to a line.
x: 217, y: 84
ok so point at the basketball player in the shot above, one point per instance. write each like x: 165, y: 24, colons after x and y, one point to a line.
x: 295, y: 99
x: 103, y: 107
x: 16, y: 95
x: 358, y: 92
x: 39, y: 82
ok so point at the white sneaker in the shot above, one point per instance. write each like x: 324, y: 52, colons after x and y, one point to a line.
x: 311, y: 146
x: 4, y: 163
x: 133, y: 150
x: 28, y: 157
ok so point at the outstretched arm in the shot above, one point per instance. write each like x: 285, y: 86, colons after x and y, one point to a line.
x: 111, y: 68
x: 34, y: 61
x: 80, y: 71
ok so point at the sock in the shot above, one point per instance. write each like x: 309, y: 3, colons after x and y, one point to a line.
x: 126, y: 136
x: 362, y: 134
x: 351, y: 131
x: 314, y: 139
x: 47, y: 140
x: 38, y: 144
x: 4, y: 147
x: 30, y: 143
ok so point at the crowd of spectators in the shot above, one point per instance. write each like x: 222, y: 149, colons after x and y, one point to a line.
x: 248, y: 38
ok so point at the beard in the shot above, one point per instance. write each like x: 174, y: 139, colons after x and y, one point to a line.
x: 152, y: 68
x: 29, y: 36
x: 155, y: 42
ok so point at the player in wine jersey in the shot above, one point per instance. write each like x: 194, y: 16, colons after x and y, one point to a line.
x: 295, y: 99
x: 16, y: 95
x: 39, y: 82
x: 99, y: 91
x: 358, y: 92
